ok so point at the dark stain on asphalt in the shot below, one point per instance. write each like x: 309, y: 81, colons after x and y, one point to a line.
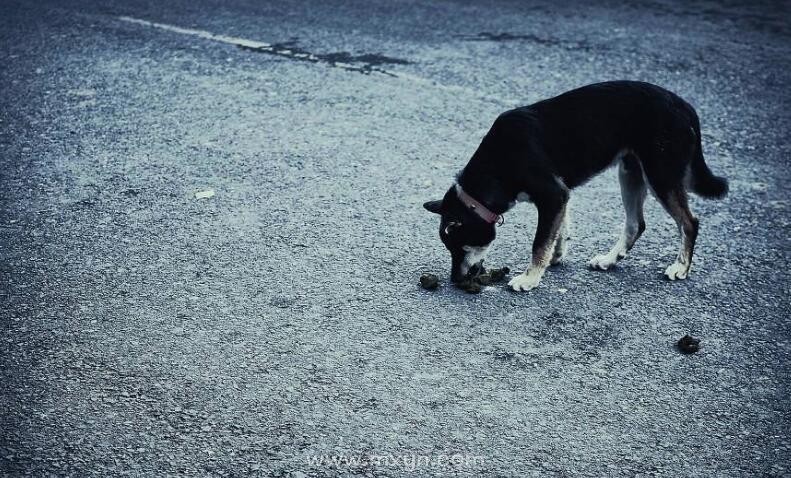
x: 588, y: 335
x: 364, y: 63
x: 503, y: 355
x: 507, y: 37
x: 500, y: 37
x: 367, y: 59
x: 524, y: 360
x: 84, y: 203
x: 132, y: 192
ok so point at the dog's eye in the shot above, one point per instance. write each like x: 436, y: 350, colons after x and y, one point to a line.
x: 451, y: 226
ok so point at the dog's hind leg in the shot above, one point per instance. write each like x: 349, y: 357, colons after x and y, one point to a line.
x: 675, y: 202
x: 665, y: 170
x: 633, y: 192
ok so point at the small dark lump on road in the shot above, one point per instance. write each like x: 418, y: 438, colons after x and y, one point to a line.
x: 688, y: 344
x: 429, y: 281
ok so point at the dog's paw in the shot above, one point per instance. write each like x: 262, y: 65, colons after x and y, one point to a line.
x: 677, y: 271
x: 525, y: 281
x: 603, y: 262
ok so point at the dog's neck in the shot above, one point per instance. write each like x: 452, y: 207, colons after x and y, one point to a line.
x: 488, y: 190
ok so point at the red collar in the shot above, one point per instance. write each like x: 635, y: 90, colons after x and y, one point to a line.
x: 482, y: 211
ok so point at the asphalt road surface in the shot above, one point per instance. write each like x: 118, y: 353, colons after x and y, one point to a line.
x: 278, y: 326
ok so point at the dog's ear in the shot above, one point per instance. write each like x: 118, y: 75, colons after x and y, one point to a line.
x: 433, y: 206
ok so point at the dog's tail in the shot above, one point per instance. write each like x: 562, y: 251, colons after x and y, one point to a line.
x: 703, y: 181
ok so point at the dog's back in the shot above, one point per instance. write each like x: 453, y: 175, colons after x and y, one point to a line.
x: 583, y: 131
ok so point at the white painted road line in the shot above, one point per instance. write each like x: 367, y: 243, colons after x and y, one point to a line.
x: 199, y: 33
x: 303, y: 56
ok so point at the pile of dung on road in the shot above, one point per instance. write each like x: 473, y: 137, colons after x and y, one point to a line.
x: 429, y: 281
x: 474, y: 284
x: 688, y: 344
x: 470, y: 284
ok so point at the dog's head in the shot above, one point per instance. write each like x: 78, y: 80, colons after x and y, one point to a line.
x: 466, y: 235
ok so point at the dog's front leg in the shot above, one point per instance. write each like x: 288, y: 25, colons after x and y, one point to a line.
x: 563, y: 236
x: 551, y: 211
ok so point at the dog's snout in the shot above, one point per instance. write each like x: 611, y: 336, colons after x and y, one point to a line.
x: 464, y: 271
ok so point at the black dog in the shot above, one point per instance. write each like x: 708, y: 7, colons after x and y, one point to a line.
x: 538, y: 153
